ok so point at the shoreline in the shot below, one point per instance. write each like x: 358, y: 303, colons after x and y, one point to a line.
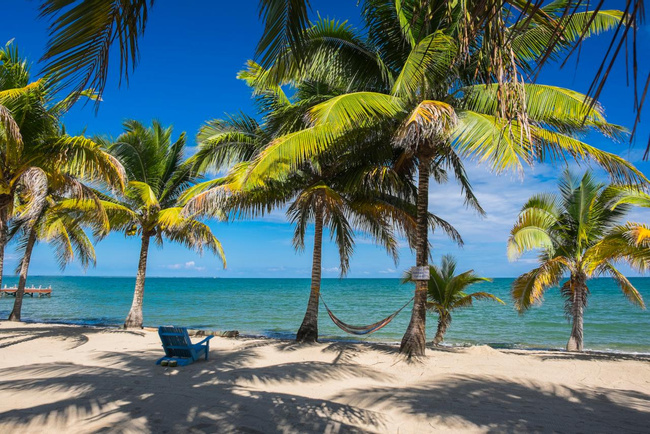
x: 641, y: 355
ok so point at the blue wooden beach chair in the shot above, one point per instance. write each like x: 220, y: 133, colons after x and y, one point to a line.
x: 179, y: 349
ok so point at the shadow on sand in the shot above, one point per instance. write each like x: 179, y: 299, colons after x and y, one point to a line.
x: 501, y: 405
x: 76, y: 336
x: 128, y: 393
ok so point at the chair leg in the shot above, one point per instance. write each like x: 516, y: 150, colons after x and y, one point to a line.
x: 207, y: 349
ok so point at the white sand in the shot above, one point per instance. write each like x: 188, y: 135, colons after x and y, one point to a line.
x: 78, y: 379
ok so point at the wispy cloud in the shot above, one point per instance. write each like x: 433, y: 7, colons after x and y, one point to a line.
x: 190, y: 265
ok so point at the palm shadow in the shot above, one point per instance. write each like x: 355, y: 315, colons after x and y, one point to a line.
x: 75, y: 335
x: 127, y: 392
x: 594, y: 356
x: 502, y: 405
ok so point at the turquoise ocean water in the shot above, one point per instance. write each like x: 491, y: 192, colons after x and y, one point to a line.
x: 275, y: 307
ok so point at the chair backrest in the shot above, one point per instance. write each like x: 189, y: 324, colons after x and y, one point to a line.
x: 176, y: 342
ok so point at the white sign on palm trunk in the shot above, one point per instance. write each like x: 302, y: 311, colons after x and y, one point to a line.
x: 420, y: 273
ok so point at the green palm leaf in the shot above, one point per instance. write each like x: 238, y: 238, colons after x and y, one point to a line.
x: 82, y: 33
x: 430, y: 59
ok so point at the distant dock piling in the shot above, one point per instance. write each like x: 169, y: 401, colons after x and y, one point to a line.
x: 40, y: 291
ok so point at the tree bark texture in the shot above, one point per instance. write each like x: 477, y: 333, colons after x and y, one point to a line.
x: 440, y: 332
x: 134, y: 318
x: 4, y: 222
x: 308, y: 331
x: 24, y: 269
x: 413, y: 342
x: 578, y: 302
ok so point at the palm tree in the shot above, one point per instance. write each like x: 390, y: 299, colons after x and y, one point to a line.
x: 447, y: 292
x: 157, y: 177
x: 338, y: 191
x: 342, y: 194
x: 59, y: 220
x: 33, y: 144
x: 410, y: 76
x: 578, y: 233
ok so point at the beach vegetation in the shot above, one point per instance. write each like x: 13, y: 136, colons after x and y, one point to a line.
x: 158, y: 175
x: 61, y: 216
x: 417, y: 81
x: 34, y: 146
x: 447, y: 291
x: 580, y: 233
x: 339, y: 192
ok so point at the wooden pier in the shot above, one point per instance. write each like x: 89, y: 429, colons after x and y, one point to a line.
x: 40, y: 292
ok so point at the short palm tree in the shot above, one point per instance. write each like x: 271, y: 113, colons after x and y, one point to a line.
x: 157, y: 175
x: 579, y: 234
x: 447, y: 292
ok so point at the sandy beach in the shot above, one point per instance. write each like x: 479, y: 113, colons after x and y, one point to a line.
x: 59, y: 378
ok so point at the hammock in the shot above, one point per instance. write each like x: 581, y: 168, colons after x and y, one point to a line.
x: 362, y: 330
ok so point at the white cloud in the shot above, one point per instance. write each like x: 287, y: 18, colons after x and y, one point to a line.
x: 331, y: 270
x: 190, y: 265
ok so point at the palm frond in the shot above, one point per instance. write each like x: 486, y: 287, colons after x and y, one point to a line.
x: 533, y: 227
x: 284, y: 25
x: 430, y: 59
x: 188, y: 231
x: 9, y: 128
x: 351, y: 110
x: 627, y: 288
x: 529, y: 288
x: 534, y: 42
x: 144, y: 193
x: 82, y: 33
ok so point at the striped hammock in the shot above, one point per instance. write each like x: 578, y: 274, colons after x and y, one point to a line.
x: 362, y: 330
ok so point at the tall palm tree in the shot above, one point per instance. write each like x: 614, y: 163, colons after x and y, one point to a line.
x: 338, y: 191
x: 342, y: 194
x: 411, y: 76
x: 33, y: 144
x: 158, y: 175
x: 447, y: 292
x: 60, y: 220
x: 579, y: 234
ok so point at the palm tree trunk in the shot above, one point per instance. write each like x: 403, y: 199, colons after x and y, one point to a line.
x: 308, y: 331
x: 134, y: 318
x: 24, y: 268
x: 440, y: 332
x: 577, y: 311
x: 4, y: 222
x: 413, y: 342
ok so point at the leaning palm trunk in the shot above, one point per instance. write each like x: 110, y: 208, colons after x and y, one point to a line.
x: 308, y: 331
x: 577, y: 313
x: 24, y: 268
x: 134, y: 318
x: 413, y: 342
x: 4, y: 220
x: 443, y: 323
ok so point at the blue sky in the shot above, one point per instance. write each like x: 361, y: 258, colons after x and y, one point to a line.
x: 190, y: 56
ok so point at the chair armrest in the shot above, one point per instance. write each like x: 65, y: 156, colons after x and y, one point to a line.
x: 205, y: 340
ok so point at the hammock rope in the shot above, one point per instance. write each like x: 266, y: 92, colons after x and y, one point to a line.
x: 362, y: 330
